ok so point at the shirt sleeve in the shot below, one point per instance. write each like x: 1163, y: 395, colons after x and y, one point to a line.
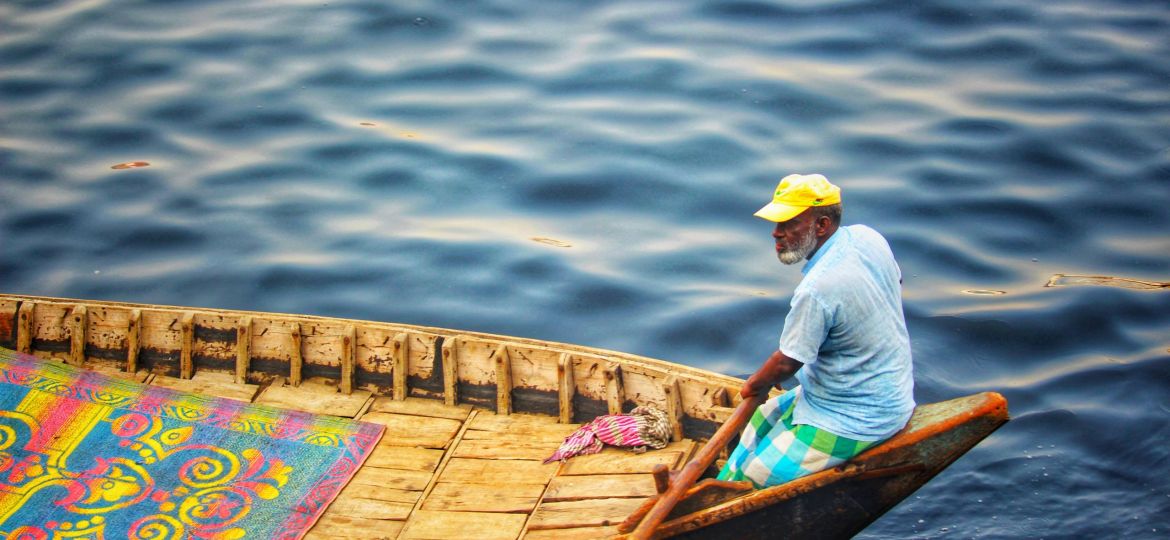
x: 805, y: 328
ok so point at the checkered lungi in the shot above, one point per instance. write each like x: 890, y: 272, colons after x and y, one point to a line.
x: 773, y: 450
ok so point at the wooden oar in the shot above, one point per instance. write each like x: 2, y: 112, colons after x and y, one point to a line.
x: 679, y: 484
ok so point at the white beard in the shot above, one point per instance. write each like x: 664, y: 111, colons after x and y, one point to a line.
x: 800, y: 250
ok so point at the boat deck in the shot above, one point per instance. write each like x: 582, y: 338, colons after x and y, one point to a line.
x: 444, y: 471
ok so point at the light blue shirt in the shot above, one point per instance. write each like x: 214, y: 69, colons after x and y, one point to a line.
x: 847, y: 327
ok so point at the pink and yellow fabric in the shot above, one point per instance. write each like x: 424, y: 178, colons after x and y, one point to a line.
x: 84, y: 455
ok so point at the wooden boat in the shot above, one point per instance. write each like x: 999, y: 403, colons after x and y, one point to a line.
x: 470, y: 416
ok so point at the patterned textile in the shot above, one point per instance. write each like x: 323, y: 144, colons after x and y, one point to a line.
x: 773, y: 450
x: 84, y: 455
x: 643, y: 427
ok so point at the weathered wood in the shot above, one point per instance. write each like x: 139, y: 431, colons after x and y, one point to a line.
x: 450, y: 372
x: 497, y: 472
x: 408, y: 430
x: 420, y: 407
x: 243, y: 348
x: 187, y: 330
x: 363, y: 507
x: 24, y: 326
x: 503, y: 380
x: 390, y: 478
x: 334, y: 527
x: 439, y: 525
x: 566, y: 388
x: 474, y: 497
x: 400, y: 356
x: 211, y: 384
x: 315, y: 398
x: 348, y: 358
x: 621, y: 461
x: 674, y: 407
x: 406, y: 458
x: 577, y: 533
x: 79, y: 327
x: 505, y: 448
x: 526, y: 426
x: 599, y: 486
x: 615, y: 393
x: 582, y: 513
x: 296, y: 355
x: 133, y: 346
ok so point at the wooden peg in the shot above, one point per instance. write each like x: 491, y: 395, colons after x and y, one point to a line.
x: 567, y: 387
x: 503, y: 380
x: 674, y: 408
x: 401, y: 354
x: 296, y: 357
x: 450, y: 372
x: 24, y: 327
x: 78, y: 326
x: 186, y: 353
x: 133, y: 331
x: 243, y: 349
x: 615, y: 392
x: 348, y: 359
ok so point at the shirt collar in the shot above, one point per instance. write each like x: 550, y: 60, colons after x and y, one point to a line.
x: 821, y: 252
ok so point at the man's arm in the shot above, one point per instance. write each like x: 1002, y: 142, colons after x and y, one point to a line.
x: 776, y: 369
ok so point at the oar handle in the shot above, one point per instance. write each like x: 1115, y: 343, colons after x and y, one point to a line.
x: 695, y: 467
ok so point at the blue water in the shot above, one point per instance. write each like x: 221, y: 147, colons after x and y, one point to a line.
x: 586, y: 172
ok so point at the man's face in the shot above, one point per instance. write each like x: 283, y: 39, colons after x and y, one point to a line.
x: 795, y: 239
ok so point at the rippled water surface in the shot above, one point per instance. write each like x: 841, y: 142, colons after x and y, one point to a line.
x: 586, y: 172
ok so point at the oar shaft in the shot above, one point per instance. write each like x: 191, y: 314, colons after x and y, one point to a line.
x: 694, y: 468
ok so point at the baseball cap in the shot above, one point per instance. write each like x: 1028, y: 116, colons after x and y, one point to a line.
x: 798, y: 192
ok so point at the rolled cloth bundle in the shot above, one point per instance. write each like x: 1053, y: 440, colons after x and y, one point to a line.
x: 642, y: 427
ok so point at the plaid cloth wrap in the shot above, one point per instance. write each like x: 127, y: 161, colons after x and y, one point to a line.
x: 773, y: 450
x: 642, y: 427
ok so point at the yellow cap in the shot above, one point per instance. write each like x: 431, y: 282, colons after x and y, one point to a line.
x: 797, y: 193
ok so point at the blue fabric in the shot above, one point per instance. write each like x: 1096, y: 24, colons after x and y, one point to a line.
x: 847, y: 327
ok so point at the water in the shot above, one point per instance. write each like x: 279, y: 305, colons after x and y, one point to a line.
x: 587, y: 173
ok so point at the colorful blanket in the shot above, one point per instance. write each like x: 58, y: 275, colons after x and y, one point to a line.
x: 643, y: 427
x: 90, y: 456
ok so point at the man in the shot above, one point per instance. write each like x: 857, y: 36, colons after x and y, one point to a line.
x: 844, y: 339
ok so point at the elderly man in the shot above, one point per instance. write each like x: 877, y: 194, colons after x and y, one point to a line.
x: 844, y: 339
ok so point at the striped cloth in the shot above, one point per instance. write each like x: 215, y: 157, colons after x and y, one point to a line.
x: 773, y: 450
x: 643, y: 427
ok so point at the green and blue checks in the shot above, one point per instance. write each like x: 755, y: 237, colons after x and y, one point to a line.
x: 773, y: 450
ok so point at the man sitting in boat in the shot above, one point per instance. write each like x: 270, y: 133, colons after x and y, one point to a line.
x: 844, y: 339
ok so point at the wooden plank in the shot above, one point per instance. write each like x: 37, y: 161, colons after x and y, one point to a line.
x: 505, y: 448
x: 318, y: 399
x: 133, y: 346
x: 78, y: 326
x: 404, y: 458
x: 421, y: 407
x: 527, y: 426
x: 674, y: 408
x: 503, y: 364
x: 390, y: 478
x: 498, y: 472
x: 576, y: 533
x: 296, y: 354
x: 211, y: 384
x: 460, y: 497
x: 348, y: 359
x: 599, y: 486
x: 337, y: 527
x: 437, y: 525
x: 583, y: 513
x: 621, y: 461
x: 450, y: 372
x: 383, y: 493
x: 615, y: 392
x: 363, y: 507
x: 566, y: 388
x: 187, y: 345
x: 400, y: 357
x: 24, y: 326
x: 408, y: 430
x: 243, y: 348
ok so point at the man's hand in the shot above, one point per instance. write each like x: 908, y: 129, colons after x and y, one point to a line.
x: 776, y: 369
